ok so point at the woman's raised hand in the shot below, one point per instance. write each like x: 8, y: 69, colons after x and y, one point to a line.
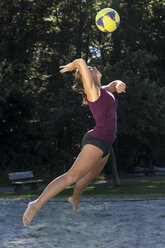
x: 68, y: 67
x: 120, y: 86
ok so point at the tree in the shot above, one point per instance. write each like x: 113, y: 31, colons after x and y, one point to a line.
x: 140, y: 111
x: 115, y: 175
x: 38, y: 103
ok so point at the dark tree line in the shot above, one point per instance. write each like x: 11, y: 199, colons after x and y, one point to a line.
x: 41, y: 119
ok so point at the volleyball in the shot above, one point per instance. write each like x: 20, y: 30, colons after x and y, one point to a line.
x: 107, y: 20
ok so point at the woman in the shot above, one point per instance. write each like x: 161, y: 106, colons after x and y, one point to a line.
x: 97, y: 143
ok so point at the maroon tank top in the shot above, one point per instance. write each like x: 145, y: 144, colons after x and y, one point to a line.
x: 104, y: 113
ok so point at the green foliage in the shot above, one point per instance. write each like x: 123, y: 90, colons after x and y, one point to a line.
x: 15, y: 111
x: 141, y: 111
x: 41, y: 118
x: 150, y: 189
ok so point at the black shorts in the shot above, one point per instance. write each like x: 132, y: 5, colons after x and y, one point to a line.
x: 104, y: 145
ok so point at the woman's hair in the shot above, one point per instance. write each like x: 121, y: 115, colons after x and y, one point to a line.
x: 78, y: 86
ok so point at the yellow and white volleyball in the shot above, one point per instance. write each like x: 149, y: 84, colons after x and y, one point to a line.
x: 107, y: 20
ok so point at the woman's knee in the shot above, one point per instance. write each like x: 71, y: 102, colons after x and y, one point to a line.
x: 72, y: 177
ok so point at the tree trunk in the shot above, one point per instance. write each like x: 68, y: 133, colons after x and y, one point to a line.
x: 115, y: 175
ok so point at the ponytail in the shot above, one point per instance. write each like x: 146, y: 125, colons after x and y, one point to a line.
x: 78, y: 86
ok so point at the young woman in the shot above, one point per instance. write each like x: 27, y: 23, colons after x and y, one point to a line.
x: 96, y: 144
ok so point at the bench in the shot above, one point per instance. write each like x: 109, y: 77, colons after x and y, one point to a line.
x: 19, y: 180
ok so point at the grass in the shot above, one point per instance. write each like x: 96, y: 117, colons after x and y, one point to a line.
x: 153, y: 188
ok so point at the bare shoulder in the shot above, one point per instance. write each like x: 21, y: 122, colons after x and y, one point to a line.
x: 111, y: 87
x: 104, y: 87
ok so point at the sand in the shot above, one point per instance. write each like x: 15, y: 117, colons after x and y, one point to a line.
x: 102, y: 223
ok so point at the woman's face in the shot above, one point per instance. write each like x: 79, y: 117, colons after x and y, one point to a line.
x: 96, y: 75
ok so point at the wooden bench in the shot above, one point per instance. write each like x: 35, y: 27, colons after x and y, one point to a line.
x: 19, y: 180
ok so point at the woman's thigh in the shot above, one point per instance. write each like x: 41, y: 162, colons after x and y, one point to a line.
x: 96, y: 170
x: 89, y: 156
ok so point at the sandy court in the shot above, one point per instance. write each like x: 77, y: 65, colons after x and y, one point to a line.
x: 102, y: 223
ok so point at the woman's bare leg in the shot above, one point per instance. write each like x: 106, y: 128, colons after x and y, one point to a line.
x: 84, y: 181
x: 87, y: 158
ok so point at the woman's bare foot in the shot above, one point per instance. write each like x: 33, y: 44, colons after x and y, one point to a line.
x: 30, y: 212
x: 74, y: 203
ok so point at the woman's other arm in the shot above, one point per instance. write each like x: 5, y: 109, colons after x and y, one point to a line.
x: 116, y: 85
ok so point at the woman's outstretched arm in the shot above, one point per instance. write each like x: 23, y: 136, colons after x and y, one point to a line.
x: 88, y: 83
